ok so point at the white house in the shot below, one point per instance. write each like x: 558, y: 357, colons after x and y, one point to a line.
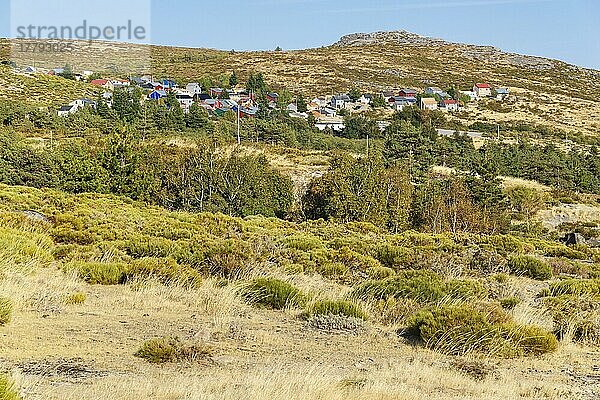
x: 66, y: 110
x: 80, y: 103
x: 482, y: 90
x: 185, y: 100
x: 472, y: 95
x: 434, y: 90
x: 194, y: 88
x: 107, y: 96
x: 502, y: 93
x: 335, y: 123
x: 400, y: 103
x: 75, y: 106
x: 449, y: 105
x: 366, y: 99
x: 428, y: 103
x: 120, y: 83
x: 339, y: 101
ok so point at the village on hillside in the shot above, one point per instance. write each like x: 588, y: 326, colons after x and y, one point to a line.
x: 326, y: 112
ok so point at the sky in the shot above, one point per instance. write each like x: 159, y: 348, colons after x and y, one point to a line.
x: 568, y: 30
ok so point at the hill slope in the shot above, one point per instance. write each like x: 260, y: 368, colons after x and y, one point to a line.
x: 548, y: 92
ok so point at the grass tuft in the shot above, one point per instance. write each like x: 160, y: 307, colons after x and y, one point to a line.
x: 172, y: 349
x: 7, y: 389
x: 531, y: 267
x: 6, y: 311
x: 335, y: 307
x: 462, y: 329
x: 76, y: 298
x: 272, y: 293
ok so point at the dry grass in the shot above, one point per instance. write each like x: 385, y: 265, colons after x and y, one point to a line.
x: 258, y: 354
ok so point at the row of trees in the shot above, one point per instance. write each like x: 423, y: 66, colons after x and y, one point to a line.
x: 193, y: 179
x: 364, y: 189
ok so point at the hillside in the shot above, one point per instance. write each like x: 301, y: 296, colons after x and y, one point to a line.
x: 547, y: 92
x: 100, y: 275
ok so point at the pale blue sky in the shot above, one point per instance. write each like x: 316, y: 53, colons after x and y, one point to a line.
x: 563, y: 29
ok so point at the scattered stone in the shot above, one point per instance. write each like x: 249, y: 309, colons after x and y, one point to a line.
x: 69, y: 369
x: 336, y: 324
x: 36, y: 216
x: 477, y: 370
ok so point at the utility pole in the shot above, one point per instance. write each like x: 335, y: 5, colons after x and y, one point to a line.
x: 238, y: 124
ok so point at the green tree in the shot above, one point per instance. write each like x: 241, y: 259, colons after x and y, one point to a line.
x: 197, y: 117
x: 233, y: 79
x: 360, y: 127
x: 355, y: 94
x: 360, y: 189
x: 68, y: 72
x: 378, y: 101
x: 410, y: 146
x: 256, y: 83
x: 301, y: 104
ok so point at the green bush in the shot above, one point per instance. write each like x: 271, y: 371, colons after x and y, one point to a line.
x: 576, y: 316
x: 303, y: 242
x: 462, y: 329
x: 575, y: 286
x: 421, y: 285
x: 96, y: 273
x: 6, y: 310
x: 165, y: 270
x: 380, y: 272
x: 7, y: 389
x: 335, y: 307
x: 169, y: 349
x: 272, y: 293
x: 509, y: 303
x: 531, y: 267
x: 465, y: 289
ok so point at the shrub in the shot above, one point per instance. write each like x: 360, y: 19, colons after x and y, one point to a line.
x: 335, y: 307
x: 531, y: 267
x: 509, y: 303
x: 76, y: 298
x: 165, y: 270
x: 354, y: 260
x: 421, y: 285
x: 501, y: 278
x: 172, y: 349
x: 533, y: 340
x: 6, y: 310
x: 462, y: 329
x: 380, y: 272
x: 7, y: 389
x: 272, y: 293
x: 575, y: 286
x: 99, y: 273
x: 303, y: 242
x: 465, y: 289
x: 576, y: 317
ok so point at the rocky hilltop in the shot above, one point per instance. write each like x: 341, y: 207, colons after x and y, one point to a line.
x: 394, y: 37
x: 473, y: 52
